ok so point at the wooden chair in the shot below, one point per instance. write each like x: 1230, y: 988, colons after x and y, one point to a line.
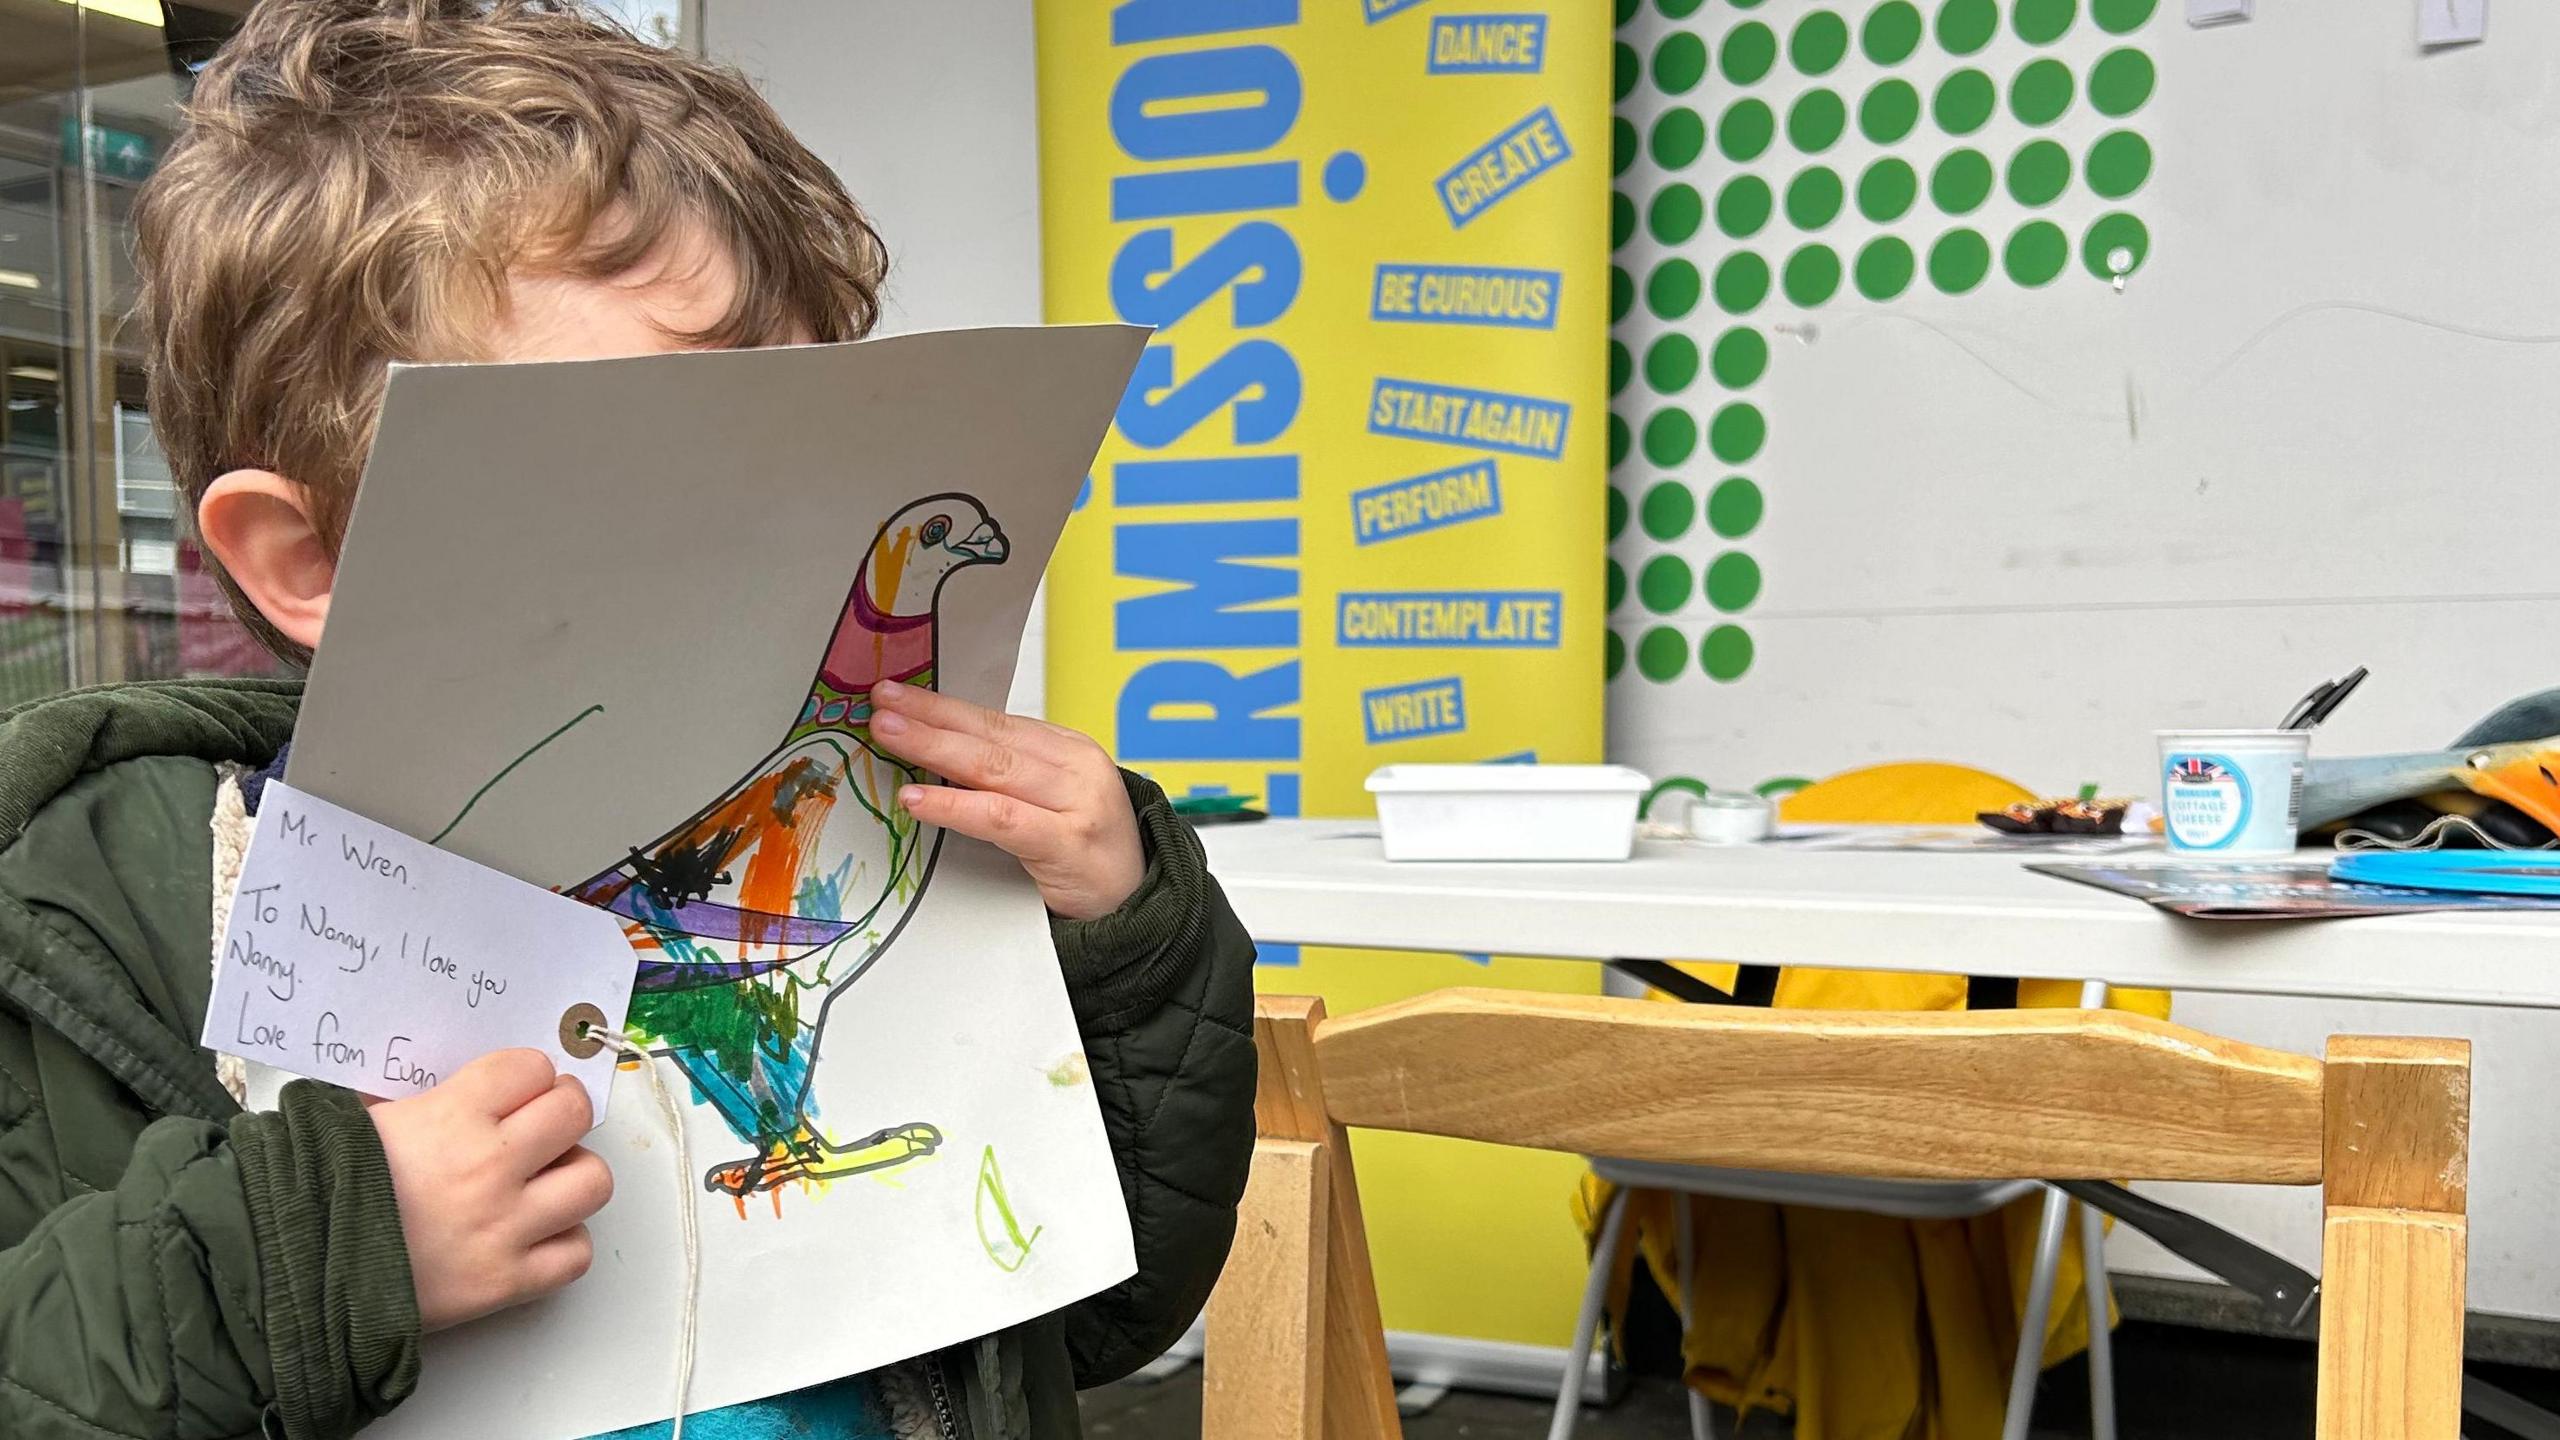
x: 1295, y: 1346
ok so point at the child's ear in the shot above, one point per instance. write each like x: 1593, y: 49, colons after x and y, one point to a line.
x: 258, y: 524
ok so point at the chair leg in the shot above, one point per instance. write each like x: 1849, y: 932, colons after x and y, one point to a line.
x: 1595, y: 1298
x: 2102, y: 1346
x: 2022, y: 1378
x: 1702, y: 1425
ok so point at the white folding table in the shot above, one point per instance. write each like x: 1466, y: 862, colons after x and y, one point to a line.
x: 1325, y: 882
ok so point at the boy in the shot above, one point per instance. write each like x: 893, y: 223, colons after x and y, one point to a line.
x: 445, y: 180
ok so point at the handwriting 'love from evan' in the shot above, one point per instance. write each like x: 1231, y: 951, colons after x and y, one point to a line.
x: 363, y: 957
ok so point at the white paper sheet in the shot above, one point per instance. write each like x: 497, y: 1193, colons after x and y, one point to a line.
x: 575, y: 630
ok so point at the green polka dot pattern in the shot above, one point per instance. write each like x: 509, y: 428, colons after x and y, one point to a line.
x: 1776, y: 162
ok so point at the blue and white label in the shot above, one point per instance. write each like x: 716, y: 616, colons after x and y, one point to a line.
x: 1410, y: 712
x: 1451, y: 619
x: 1425, y: 502
x: 1466, y: 295
x: 1487, y: 419
x: 1502, y: 166
x: 2238, y: 803
x: 1488, y: 44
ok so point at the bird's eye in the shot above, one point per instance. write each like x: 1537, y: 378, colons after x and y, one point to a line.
x: 937, y: 530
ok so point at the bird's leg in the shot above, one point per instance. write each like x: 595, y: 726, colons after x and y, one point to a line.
x: 808, y: 1155
x: 880, y: 1150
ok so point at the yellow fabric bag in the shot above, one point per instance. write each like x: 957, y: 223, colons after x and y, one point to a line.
x: 1863, y: 1327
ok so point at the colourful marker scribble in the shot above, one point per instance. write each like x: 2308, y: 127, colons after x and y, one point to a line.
x: 755, y: 915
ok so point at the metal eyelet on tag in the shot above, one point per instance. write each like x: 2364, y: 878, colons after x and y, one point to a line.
x: 579, y: 1025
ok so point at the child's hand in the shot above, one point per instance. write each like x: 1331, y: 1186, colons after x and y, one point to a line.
x: 494, y: 1189
x: 1043, y: 793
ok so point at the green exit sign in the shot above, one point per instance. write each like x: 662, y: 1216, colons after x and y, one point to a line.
x: 116, y: 154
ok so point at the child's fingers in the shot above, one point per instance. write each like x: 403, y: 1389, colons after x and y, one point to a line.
x: 501, y: 1082
x: 565, y: 1194
x: 1021, y: 830
x: 974, y: 761
x: 547, y: 1125
x: 556, y: 1262
x: 950, y: 712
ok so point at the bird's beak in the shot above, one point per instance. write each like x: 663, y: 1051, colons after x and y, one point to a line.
x: 2526, y: 776
x: 985, y: 543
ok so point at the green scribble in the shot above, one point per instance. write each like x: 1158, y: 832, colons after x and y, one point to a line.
x: 991, y: 1187
x: 511, y: 769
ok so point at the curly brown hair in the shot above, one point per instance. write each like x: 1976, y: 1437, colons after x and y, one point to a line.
x: 357, y: 177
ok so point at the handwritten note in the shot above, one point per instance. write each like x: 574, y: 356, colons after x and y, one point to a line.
x: 361, y: 956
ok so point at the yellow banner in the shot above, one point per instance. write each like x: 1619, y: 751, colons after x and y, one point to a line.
x: 1353, y: 508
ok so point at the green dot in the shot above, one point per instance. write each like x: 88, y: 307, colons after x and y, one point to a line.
x: 1678, y: 9
x: 1679, y: 63
x: 1622, y: 220
x: 1736, y: 432
x: 1815, y: 120
x: 1733, y: 581
x: 1964, y: 101
x: 1622, y: 294
x: 1666, y: 584
x: 1961, y: 182
x: 1745, y: 130
x: 1886, y: 190
x: 1661, y: 655
x: 1675, y: 214
x: 1742, y: 206
x: 2040, y: 91
x: 2039, y: 172
x: 1621, y: 365
x: 1734, y: 510
x: 1820, y: 39
x: 1671, y: 291
x: 1617, y: 655
x: 1741, y: 357
x: 1813, y: 198
x: 1678, y: 137
x: 2115, y: 245
x: 1891, y: 33
x: 1622, y: 145
x: 1671, y: 363
x: 1619, y: 441
x: 1749, y: 50
x: 1625, y: 70
x: 1889, y: 111
x: 1742, y: 282
x: 1884, y: 268
x: 2118, y: 17
x: 1812, y: 274
x: 1669, y: 437
x: 2036, y: 253
x: 1670, y: 508
x: 1626, y: 11
x: 1617, y: 511
x: 1958, y: 261
x: 2118, y: 164
x: 1965, y: 26
x: 2120, y: 82
x: 2041, y: 22
x: 1617, y: 572
x: 1726, y: 653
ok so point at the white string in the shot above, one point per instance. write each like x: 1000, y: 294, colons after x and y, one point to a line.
x: 686, y: 1220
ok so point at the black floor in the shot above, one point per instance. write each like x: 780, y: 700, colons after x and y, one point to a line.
x: 2172, y: 1383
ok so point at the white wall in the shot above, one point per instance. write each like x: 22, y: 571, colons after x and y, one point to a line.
x: 927, y: 109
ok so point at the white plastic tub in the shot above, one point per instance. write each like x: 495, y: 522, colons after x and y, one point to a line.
x: 1508, y: 812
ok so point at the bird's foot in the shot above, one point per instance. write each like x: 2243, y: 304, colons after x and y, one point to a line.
x: 811, y: 1156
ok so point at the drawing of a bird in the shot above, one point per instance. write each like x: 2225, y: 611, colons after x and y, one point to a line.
x: 753, y: 915
x: 2491, y: 760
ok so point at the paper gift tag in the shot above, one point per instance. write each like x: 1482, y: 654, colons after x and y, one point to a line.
x: 373, y: 960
